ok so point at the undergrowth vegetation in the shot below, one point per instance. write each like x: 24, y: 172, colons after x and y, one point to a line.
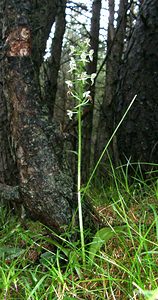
x: 120, y: 259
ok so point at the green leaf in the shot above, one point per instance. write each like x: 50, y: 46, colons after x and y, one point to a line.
x: 10, y: 252
x: 59, y: 246
x: 102, y: 237
x: 46, y: 258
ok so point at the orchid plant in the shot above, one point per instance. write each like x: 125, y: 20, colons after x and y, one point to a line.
x: 80, y: 57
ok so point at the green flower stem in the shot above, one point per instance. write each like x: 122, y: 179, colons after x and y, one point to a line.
x: 79, y: 183
x: 77, y: 89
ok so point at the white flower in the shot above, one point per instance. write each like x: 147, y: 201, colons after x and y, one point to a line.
x: 72, y: 64
x: 70, y: 114
x: 87, y: 42
x: 69, y: 83
x: 86, y: 94
x: 83, y: 57
x: 93, y: 75
x: 72, y: 49
x: 83, y: 77
x: 90, y: 54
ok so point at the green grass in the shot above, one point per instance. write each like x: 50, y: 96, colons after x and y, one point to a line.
x: 121, y: 259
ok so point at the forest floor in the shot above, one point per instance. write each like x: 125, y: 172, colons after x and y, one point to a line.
x: 121, y: 259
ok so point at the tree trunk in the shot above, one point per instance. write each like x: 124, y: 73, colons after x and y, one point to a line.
x: 56, y: 49
x: 138, y: 135
x: 45, y: 186
x: 91, y: 68
x: 42, y: 15
x: 115, y: 44
x: 7, y: 158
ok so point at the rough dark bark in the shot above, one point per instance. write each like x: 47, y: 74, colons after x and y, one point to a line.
x: 53, y: 64
x: 91, y: 68
x: 7, y: 158
x: 115, y: 44
x: 44, y: 184
x: 45, y: 189
x: 42, y: 17
x: 138, y: 135
x: 9, y: 193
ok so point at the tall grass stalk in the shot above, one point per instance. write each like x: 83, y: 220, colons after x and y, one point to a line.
x: 107, y: 145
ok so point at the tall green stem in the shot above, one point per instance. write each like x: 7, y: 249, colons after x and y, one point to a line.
x: 77, y: 89
x: 79, y: 184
